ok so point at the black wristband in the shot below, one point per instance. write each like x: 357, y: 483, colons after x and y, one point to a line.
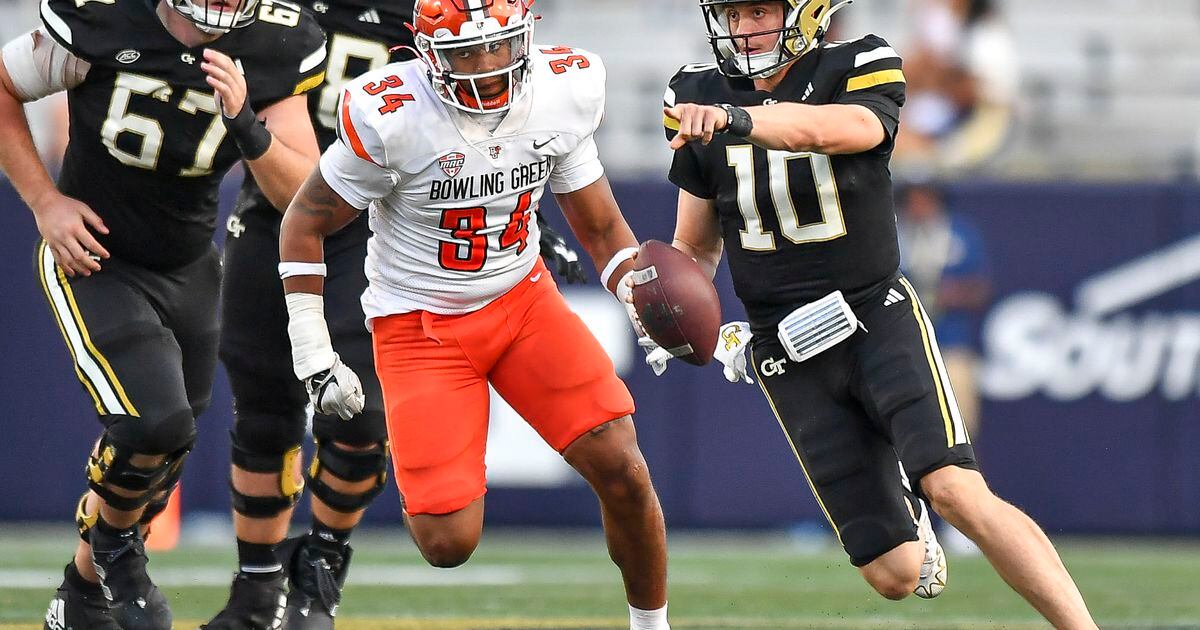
x: 250, y: 135
x: 739, y: 123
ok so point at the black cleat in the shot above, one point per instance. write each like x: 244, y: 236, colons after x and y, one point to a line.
x: 120, y: 561
x: 317, y: 572
x: 254, y: 604
x: 78, y: 605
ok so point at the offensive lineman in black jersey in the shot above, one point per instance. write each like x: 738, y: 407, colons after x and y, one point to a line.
x: 350, y: 465
x: 781, y: 151
x: 162, y: 100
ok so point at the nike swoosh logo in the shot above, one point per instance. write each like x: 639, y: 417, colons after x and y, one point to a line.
x: 537, y: 145
x: 536, y: 277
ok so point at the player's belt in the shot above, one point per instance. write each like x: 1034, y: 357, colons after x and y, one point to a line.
x: 817, y: 327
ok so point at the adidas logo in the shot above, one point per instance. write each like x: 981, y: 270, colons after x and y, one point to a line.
x: 56, y: 615
x: 807, y: 92
x: 893, y: 296
x: 370, y: 16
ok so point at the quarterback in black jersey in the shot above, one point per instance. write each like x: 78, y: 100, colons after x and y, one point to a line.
x: 162, y: 98
x: 781, y: 154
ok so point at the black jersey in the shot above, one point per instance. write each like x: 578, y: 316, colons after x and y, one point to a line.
x: 800, y: 225
x: 360, y: 35
x: 147, y: 146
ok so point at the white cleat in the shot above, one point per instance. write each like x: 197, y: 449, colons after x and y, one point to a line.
x: 933, y: 567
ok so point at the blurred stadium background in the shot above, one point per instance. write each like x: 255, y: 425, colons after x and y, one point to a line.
x: 1051, y: 217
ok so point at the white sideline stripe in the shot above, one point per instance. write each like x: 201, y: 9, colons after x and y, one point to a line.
x: 53, y: 21
x: 883, y: 52
x: 112, y: 403
x: 1141, y: 279
x: 387, y: 575
x: 365, y: 575
x: 313, y: 60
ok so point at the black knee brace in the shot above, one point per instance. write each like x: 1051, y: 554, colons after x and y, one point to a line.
x: 112, y: 466
x: 158, y: 501
x: 280, y: 463
x: 157, y: 504
x: 348, y: 466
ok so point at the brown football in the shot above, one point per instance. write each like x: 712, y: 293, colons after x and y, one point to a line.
x: 676, y: 302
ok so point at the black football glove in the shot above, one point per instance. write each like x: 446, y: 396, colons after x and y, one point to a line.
x: 559, y: 256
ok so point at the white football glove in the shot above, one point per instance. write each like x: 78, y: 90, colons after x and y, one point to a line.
x: 333, y: 388
x: 336, y: 391
x: 656, y: 357
x: 732, y: 341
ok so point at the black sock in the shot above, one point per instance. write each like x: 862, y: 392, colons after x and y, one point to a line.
x: 324, y: 536
x: 103, y: 527
x: 105, y: 538
x: 258, y: 560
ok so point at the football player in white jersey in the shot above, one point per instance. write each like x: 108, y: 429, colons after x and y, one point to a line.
x: 450, y: 153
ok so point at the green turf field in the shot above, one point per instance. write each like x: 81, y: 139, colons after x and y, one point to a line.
x: 531, y: 579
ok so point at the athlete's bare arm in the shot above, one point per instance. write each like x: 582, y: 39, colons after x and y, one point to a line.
x: 697, y: 231
x: 284, y: 167
x: 833, y: 129
x: 293, y: 150
x: 597, y: 222
x: 61, y: 220
x: 316, y: 212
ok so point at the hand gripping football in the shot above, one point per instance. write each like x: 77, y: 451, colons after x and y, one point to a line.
x: 676, y: 302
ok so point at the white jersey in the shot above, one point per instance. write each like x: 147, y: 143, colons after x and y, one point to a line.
x: 451, y: 203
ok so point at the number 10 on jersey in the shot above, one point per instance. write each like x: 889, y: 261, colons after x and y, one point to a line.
x: 832, y: 224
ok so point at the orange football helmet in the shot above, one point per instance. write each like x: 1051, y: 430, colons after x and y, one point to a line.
x: 451, y: 35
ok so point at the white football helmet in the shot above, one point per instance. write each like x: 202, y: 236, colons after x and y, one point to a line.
x: 804, y: 25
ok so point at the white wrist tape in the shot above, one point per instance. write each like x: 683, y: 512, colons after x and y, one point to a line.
x: 289, y: 269
x: 312, y: 351
x: 614, y: 262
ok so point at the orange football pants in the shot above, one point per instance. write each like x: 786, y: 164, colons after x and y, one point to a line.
x: 435, y: 370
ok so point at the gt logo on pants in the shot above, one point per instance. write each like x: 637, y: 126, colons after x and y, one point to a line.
x: 772, y: 367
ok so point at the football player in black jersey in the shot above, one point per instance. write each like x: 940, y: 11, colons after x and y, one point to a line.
x: 781, y: 153
x: 349, y: 467
x: 163, y: 98
x: 350, y: 464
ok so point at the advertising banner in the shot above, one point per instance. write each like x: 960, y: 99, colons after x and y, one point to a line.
x: 1090, y: 374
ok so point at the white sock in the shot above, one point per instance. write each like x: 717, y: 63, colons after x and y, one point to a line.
x: 648, y: 619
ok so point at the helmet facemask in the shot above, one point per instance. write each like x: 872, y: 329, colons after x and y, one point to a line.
x: 804, y: 25
x: 449, y: 56
x: 216, y: 17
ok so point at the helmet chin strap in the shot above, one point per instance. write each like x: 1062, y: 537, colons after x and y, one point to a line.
x: 211, y: 30
x: 480, y: 101
x: 772, y: 59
